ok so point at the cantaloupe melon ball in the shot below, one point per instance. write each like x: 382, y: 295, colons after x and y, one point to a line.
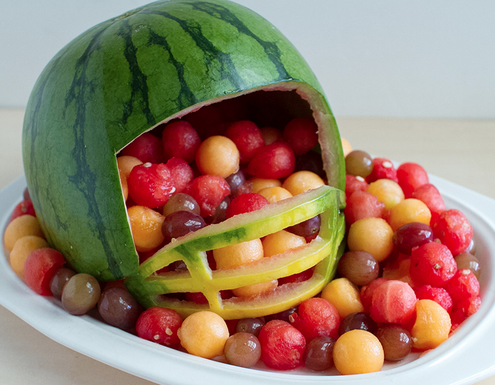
x: 358, y: 352
x: 373, y: 235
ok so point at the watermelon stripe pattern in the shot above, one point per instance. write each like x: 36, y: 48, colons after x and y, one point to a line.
x: 125, y: 76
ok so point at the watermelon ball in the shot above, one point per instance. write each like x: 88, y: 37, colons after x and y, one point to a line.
x: 247, y: 137
x: 24, y: 207
x: 208, y: 191
x: 432, y: 264
x: 246, y: 202
x: 361, y: 205
x: 147, y: 148
x: 316, y: 317
x: 430, y: 195
x: 355, y: 183
x: 393, y: 302
x: 274, y: 161
x: 39, y: 268
x: 181, y: 140
x: 367, y: 291
x: 150, y: 184
x: 463, y: 285
x: 159, y: 325
x: 382, y: 168
x: 301, y: 134
x: 411, y: 176
x: 283, y: 345
x: 440, y: 295
x: 454, y: 230
x: 181, y: 173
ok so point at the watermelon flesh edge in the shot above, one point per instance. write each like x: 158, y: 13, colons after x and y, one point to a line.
x: 322, y: 253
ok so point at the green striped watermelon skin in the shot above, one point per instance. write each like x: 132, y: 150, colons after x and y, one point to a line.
x: 121, y: 78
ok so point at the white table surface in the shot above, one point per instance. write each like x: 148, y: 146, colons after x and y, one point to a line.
x: 462, y: 151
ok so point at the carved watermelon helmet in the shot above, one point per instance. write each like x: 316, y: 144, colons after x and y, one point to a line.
x: 130, y: 74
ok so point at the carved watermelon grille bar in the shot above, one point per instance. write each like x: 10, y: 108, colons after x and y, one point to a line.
x: 322, y: 253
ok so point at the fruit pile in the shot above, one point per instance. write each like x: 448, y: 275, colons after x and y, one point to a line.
x: 408, y: 278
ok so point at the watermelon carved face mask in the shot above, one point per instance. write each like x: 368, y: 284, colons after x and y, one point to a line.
x: 130, y: 74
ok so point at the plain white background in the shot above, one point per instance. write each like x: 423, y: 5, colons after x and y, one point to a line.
x: 382, y: 58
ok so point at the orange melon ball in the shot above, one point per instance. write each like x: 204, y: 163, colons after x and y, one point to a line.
x: 373, y: 235
x: 22, y: 248
x: 238, y: 254
x: 146, y: 227
x: 275, y: 194
x: 270, y: 134
x: 408, y: 211
x: 204, y: 334
x: 127, y: 163
x: 358, y: 352
x: 217, y: 155
x: 432, y: 325
x: 19, y: 227
x: 280, y: 242
x: 344, y: 296
x: 387, y: 191
x: 258, y: 183
x: 301, y: 181
x: 256, y: 289
x: 346, y: 146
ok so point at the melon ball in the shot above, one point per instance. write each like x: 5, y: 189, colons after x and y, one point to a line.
x: 373, y: 235
x: 393, y: 302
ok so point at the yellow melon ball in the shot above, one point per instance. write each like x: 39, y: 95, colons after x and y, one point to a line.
x: 373, y: 235
x: 256, y: 289
x: 258, y: 183
x: 408, y: 211
x: 344, y: 295
x: 146, y: 226
x: 358, y: 352
x: 238, y: 254
x: 302, y: 181
x: 19, y: 227
x: 217, y: 155
x: 127, y: 163
x: 432, y: 325
x: 275, y: 194
x: 346, y: 146
x: 281, y: 242
x: 387, y: 191
x: 204, y: 334
x: 22, y: 248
